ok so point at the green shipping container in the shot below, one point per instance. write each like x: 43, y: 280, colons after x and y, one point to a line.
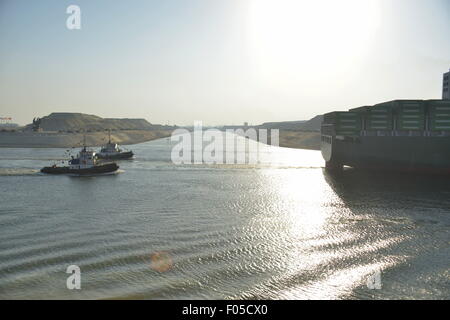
x: 411, y: 115
x: 379, y: 117
x: 439, y: 114
x: 345, y: 123
x: 329, y: 118
x: 348, y: 121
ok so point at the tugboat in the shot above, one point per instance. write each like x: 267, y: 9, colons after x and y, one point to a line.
x: 84, y: 164
x: 112, y: 151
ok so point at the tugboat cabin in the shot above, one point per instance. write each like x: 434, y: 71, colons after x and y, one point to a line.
x: 86, y: 159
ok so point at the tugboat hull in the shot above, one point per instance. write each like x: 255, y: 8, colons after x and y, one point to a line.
x: 98, y: 169
x: 117, y: 156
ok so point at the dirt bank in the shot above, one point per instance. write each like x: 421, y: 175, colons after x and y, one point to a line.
x: 67, y: 140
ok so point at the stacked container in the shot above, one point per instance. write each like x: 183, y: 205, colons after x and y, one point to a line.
x: 410, y: 115
x: 345, y: 123
x: 380, y: 117
x: 439, y: 115
x: 397, y: 115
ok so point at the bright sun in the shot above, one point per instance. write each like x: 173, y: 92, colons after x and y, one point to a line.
x: 302, y: 41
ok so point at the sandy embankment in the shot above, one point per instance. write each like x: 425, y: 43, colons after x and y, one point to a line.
x: 67, y: 140
x: 300, y: 139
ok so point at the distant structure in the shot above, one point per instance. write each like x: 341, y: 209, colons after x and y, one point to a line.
x: 5, y: 122
x: 446, y: 86
x: 36, y: 125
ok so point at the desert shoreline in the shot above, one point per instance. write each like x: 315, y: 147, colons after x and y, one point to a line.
x: 69, y: 140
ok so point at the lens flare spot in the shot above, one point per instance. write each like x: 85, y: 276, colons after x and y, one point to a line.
x: 161, y: 261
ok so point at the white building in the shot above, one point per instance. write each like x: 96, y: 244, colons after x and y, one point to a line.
x: 446, y: 86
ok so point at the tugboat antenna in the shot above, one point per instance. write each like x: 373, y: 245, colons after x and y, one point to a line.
x: 84, y: 140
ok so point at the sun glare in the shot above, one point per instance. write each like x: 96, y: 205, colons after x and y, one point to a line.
x: 295, y: 41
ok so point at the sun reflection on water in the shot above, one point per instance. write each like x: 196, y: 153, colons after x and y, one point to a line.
x: 312, y: 223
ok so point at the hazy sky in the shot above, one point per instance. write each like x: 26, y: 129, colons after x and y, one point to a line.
x: 219, y: 61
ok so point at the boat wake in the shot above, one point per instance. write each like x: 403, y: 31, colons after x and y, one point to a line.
x: 18, y: 171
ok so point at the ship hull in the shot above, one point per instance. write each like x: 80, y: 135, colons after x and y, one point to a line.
x: 118, y: 156
x: 399, y: 153
x: 98, y: 169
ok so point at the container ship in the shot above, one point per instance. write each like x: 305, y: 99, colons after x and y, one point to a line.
x: 399, y: 135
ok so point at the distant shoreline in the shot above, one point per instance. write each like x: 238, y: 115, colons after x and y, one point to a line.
x: 288, y: 138
x: 69, y: 140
